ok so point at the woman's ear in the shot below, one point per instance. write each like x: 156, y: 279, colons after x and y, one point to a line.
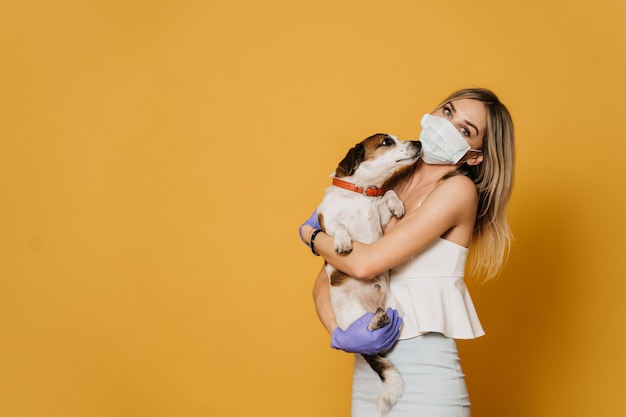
x: 475, y: 159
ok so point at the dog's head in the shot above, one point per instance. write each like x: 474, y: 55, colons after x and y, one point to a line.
x: 376, y: 158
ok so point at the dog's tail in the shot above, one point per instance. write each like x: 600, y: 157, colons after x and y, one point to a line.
x: 393, y: 385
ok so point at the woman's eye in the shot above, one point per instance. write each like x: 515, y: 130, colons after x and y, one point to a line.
x: 465, y: 132
x: 447, y: 111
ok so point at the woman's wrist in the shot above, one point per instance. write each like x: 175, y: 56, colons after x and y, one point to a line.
x: 312, y: 241
x: 307, y: 232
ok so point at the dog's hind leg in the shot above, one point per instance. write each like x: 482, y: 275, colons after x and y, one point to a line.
x: 379, y: 320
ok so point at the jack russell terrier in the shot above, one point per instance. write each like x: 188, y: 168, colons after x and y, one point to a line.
x: 356, y: 208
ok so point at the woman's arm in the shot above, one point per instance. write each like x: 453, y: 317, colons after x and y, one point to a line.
x: 321, y: 296
x: 453, y: 203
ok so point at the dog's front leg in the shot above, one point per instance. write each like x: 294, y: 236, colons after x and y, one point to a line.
x: 392, y: 205
x: 342, y: 239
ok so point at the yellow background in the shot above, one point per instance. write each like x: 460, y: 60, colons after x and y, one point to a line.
x: 157, y: 157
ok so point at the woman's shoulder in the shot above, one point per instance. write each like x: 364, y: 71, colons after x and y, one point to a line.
x: 453, y: 195
x: 459, y: 185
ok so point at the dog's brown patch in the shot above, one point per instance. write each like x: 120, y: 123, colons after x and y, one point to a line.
x: 369, y: 148
x: 338, y: 278
x: 376, y: 144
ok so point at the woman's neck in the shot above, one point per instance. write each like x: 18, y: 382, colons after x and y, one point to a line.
x: 416, y: 187
x: 424, y: 175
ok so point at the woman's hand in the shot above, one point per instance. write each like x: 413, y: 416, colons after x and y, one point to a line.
x: 358, y: 338
x: 312, y: 221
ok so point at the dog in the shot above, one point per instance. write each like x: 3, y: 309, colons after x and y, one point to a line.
x: 356, y: 207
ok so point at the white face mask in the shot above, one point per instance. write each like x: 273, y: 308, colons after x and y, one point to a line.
x: 442, y: 143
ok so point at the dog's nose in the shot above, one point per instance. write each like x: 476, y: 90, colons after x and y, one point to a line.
x: 417, y: 144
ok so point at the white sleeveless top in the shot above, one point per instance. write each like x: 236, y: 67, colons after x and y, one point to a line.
x: 430, y: 289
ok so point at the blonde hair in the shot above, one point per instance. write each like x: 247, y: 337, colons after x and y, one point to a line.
x: 493, y: 178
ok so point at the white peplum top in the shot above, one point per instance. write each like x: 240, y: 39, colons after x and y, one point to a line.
x: 430, y: 289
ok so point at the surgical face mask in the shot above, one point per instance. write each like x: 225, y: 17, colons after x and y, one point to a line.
x: 442, y: 143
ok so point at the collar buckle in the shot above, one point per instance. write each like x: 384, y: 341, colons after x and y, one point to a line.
x: 375, y: 190
x: 366, y: 190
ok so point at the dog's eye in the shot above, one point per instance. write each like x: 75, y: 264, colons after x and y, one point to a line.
x: 387, y: 142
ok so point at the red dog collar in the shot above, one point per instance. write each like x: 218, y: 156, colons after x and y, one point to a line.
x: 367, y: 190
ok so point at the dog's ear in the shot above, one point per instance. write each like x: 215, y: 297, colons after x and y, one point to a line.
x: 350, y: 161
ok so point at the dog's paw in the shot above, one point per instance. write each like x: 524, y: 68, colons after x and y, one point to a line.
x: 394, y: 204
x: 379, y: 320
x: 343, y: 247
x: 343, y: 242
x: 397, y: 211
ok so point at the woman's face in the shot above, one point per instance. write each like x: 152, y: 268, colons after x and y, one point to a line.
x: 469, y: 116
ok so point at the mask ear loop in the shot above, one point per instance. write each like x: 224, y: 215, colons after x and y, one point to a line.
x: 469, y: 156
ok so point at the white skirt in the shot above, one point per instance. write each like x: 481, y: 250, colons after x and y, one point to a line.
x: 434, y: 384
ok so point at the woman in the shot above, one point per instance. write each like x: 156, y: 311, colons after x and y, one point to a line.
x: 455, y: 198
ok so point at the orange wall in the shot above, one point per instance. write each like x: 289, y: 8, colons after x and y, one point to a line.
x: 157, y: 157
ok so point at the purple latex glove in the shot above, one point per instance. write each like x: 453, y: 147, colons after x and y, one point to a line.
x: 312, y: 221
x: 357, y: 338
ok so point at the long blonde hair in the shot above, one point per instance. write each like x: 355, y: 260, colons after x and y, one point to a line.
x: 494, y: 179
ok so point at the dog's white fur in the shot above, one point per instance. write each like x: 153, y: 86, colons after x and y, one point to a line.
x: 347, y: 215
